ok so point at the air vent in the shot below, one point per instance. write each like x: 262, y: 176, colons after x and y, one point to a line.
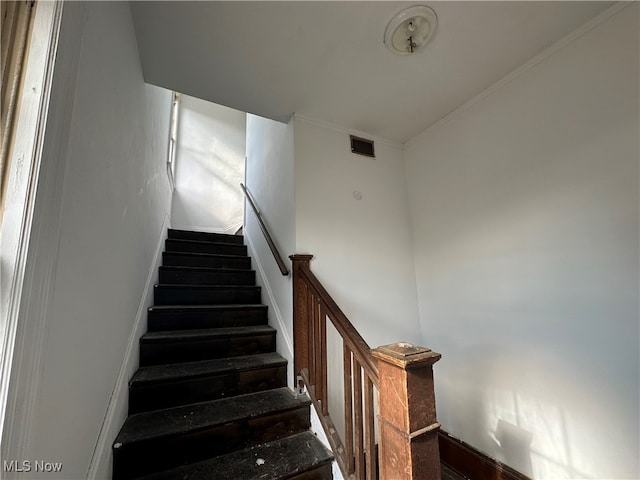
x: 362, y: 146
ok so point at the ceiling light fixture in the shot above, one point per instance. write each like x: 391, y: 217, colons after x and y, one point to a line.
x: 410, y: 29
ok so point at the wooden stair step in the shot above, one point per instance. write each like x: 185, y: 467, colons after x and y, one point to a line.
x: 182, y: 317
x: 171, y: 346
x: 205, y: 236
x: 298, y: 457
x: 199, y: 246
x: 206, y: 276
x: 187, y: 259
x: 164, y: 294
x: 162, y: 386
x: 153, y: 441
x: 210, y: 396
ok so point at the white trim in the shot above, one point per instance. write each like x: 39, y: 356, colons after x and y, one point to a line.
x: 27, y: 300
x: 553, y: 49
x: 116, y: 413
x: 273, y: 305
x: 233, y: 228
x: 342, y: 129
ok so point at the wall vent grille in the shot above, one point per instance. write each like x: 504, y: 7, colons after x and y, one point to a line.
x: 362, y: 146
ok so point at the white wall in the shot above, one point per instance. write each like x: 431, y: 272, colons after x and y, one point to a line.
x: 362, y: 248
x: 269, y: 178
x: 525, y: 216
x: 113, y: 197
x: 209, y: 167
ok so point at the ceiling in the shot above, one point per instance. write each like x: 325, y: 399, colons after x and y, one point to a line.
x: 327, y: 61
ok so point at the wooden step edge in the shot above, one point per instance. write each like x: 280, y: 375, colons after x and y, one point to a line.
x: 189, y: 418
x: 200, y: 255
x: 285, y: 458
x: 175, y: 372
x: 170, y: 336
x: 195, y: 286
x: 190, y: 269
x: 205, y: 308
x: 205, y: 242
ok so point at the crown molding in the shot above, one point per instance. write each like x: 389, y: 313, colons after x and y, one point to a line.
x: 530, y: 64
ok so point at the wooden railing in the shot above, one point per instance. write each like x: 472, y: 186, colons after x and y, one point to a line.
x: 400, y: 373
x: 265, y: 231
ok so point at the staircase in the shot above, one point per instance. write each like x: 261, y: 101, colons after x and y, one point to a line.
x: 210, y: 400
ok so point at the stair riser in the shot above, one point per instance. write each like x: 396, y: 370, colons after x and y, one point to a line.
x: 134, y: 460
x: 190, y: 351
x: 323, y: 472
x: 206, y: 236
x: 196, y: 247
x: 180, y: 260
x: 144, y: 398
x: 164, y: 320
x: 167, y: 295
x: 204, y: 277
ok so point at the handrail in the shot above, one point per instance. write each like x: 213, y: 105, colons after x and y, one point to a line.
x: 399, y: 375
x: 347, y: 331
x: 272, y: 246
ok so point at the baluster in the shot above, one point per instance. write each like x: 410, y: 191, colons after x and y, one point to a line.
x: 357, y: 396
x: 301, y: 292
x: 369, y: 429
x: 348, y: 410
x: 317, y: 349
x: 323, y: 355
x: 311, y: 299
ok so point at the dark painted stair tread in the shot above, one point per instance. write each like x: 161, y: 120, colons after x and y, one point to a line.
x: 187, y: 268
x: 205, y: 308
x: 172, y: 437
x: 205, y: 260
x: 205, y: 236
x: 179, y: 371
x: 172, y: 294
x: 173, y: 346
x: 179, y: 317
x: 196, y: 416
x: 277, y: 460
x: 206, y: 275
x: 199, y: 246
x: 205, y: 333
x: 178, y: 286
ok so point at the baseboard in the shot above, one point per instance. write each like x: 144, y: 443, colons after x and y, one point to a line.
x: 274, y: 311
x: 472, y: 463
x: 116, y: 413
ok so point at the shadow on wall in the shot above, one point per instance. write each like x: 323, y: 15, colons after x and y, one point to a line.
x: 515, y: 444
x: 520, y: 423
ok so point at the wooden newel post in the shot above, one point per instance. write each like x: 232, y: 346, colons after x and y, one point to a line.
x: 408, y: 429
x: 301, y: 338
